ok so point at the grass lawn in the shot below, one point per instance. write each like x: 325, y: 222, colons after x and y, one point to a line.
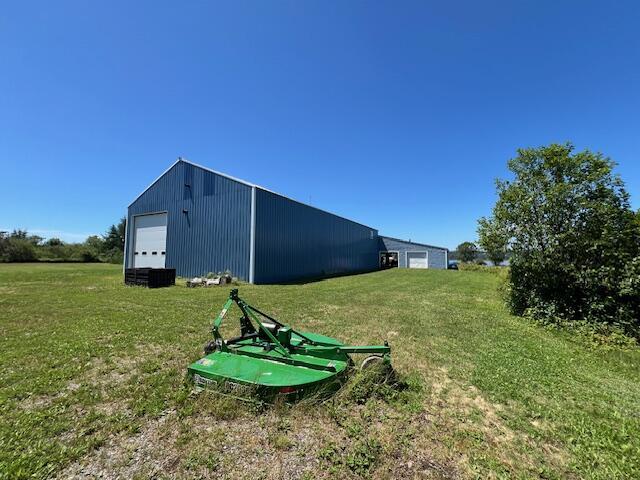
x: 92, y: 383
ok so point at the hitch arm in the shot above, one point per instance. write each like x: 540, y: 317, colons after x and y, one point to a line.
x: 216, y: 325
x: 365, y: 349
x: 380, y: 349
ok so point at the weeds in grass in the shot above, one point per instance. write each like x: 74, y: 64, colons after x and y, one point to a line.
x: 378, y: 382
x: 595, y: 335
x: 201, y: 461
x: 363, y: 456
x: 280, y: 441
x: 356, y: 409
x: 360, y: 457
x: 222, y: 406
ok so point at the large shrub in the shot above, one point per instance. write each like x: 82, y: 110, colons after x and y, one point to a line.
x: 115, y: 255
x: 19, y: 250
x: 18, y: 246
x: 574, y: 239
x: 467, y: 251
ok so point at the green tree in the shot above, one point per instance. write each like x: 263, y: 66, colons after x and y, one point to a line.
x: 573, y: 237
x: 19, y: 250
x: 18, y: 246
x: 18, y: 234
x: 55, y: 249
x: 467, y: 251
x: 114, y: 238
x: 4, y: 245
x: 492, y: 240
x: 92, y: 249
x: 53, y: 242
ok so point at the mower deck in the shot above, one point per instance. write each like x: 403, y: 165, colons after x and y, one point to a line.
x: 273, y: 359
x: 249, y: 365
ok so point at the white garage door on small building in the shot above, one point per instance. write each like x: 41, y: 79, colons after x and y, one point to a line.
x: 411, y: 254
x: 150, y: 240
x: 417, y: 260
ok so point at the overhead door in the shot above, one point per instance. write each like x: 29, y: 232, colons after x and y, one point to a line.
x: 437, y: 259
x: 417, y: 259
x: 150, y: 240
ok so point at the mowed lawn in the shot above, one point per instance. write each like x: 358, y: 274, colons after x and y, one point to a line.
x: 92, y: 383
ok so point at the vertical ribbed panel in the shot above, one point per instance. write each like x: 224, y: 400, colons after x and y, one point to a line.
x: 295, y: 241
x: 213, y: 234
x: 436, y: 256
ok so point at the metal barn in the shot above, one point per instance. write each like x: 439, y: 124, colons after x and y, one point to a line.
x: 394, y: 252
x: 197, y: 220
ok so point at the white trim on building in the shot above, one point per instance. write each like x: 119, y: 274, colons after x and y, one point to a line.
x: 252, y: 240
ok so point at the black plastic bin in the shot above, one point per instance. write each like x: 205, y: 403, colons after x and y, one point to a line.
x: 150, y: 277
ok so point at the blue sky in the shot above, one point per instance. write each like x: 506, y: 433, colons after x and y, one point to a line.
x: 399, y: 115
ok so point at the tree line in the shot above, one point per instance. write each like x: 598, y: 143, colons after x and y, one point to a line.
x: 21, y: 246
x: 468, y: 252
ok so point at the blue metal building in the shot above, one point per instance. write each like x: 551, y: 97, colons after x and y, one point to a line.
x: 406, y: 254
x: 197, y: 220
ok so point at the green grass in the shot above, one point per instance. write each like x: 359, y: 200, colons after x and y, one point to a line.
x: 92, y: 382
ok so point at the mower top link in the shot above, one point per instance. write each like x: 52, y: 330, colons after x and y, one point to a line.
x: 275, y: 359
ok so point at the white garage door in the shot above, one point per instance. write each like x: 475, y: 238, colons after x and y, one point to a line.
x: 417, y: 259
x: 150, y: 240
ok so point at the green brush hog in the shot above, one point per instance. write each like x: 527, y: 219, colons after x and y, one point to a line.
x: 271, y: 360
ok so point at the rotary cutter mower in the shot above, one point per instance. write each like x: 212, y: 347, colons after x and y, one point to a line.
x: 271, y: 360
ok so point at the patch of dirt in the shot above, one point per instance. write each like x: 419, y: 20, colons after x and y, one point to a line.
x: 149, y: 349
x: 39, y: 402
x: 111, y: 407
x: 477, y: 414
x: 252, y: 447
x: 123, y: 457
x: 97, y: 373
x: 216, y: 449
x: 419, y: 466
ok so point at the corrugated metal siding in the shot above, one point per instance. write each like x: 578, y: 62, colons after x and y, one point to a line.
x: 295, y: 241
x: 214, y: 233
x: 436, y: 256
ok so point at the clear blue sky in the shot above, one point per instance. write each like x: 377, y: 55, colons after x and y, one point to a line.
x: 395, y: 114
